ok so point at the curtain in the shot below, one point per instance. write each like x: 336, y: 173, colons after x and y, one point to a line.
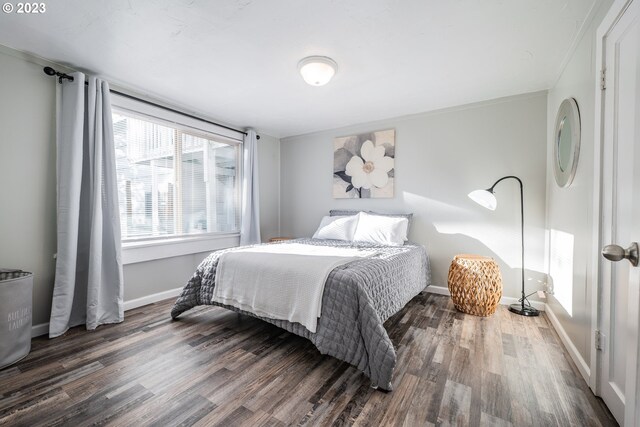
x: 88, y: 286
x: 250, y: 226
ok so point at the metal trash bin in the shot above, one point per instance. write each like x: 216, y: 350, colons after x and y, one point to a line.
x: 16, y: 289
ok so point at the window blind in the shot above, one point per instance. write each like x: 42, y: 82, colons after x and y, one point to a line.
x: 172, y: 181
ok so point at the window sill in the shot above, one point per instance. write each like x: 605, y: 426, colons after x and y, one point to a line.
x: 149, y: 250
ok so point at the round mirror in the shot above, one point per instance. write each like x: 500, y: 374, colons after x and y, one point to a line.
x: 564, y: 144
x: 567, y: 142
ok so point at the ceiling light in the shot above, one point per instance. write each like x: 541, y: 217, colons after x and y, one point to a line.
x: 317, y: 70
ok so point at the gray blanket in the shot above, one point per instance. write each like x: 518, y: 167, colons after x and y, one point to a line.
x: 358, y: 298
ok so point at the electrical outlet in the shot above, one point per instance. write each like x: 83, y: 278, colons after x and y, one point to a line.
x: 548, y: 287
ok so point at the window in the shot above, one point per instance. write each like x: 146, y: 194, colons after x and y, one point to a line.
x: 174, y: 180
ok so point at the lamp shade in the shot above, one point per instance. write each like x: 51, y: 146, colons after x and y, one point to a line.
x: 484, y: 198
x: 317, y: 70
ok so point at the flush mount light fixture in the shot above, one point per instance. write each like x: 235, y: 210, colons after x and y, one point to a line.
x: 317, y: 70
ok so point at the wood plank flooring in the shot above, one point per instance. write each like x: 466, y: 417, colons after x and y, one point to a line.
x: 215, y: 367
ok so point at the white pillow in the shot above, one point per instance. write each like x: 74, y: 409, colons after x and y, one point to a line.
x: 384, y: 230
x: 337, y: 227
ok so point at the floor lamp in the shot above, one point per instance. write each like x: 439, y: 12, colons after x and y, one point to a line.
x: 487, y: 199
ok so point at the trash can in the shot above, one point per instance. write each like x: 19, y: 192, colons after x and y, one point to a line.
x: 16, y: 288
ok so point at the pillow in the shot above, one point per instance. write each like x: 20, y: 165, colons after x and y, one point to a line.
x: 337, y: 228
x: 384, y: 230
x: 345, y: 212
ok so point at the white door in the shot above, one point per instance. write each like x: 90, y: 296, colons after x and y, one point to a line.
x: 620, y: 279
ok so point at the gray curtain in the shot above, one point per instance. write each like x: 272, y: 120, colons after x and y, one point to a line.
x: 250, y: 227
x: 88, y: 285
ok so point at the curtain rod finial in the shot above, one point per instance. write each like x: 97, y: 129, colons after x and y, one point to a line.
x: 51, y: 72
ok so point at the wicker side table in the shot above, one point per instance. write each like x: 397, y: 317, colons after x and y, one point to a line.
x: 475, y: 284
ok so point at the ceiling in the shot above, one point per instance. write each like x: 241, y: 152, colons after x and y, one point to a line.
x: 235, y: 60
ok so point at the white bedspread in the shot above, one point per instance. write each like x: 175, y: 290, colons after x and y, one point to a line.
x: 283, y: 281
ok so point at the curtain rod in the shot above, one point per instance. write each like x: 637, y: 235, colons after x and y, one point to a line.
x: 61, y: 76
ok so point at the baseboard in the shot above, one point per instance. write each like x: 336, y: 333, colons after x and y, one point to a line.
x: 441, y: 290
x: 535, y: 304
x: 40, y: 329
x: 582, y: 365
x: 43, y: 328
x: 150, y: 299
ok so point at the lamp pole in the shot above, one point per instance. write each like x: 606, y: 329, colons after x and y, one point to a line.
x: 522, y: 308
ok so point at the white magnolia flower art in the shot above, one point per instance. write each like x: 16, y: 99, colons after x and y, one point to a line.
x: 371, y: 169
x: 364, y: 165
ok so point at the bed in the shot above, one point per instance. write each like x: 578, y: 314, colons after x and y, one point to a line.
x: 358, y: 298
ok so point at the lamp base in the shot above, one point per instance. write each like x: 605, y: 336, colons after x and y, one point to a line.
x: 523, y: 310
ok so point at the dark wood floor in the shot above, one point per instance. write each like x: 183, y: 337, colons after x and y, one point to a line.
x: 215, y: 367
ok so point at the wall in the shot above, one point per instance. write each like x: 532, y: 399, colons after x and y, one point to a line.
x: 28, y: 191
x: 269, y: 172
x: 142, y: 279
x: 441, y: 157
x: 570, y: 210
x: 28, y: 175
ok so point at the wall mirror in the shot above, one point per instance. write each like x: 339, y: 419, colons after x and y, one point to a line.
x: 566, y: 147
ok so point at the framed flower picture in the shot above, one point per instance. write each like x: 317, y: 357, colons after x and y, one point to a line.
x: 364, y: 165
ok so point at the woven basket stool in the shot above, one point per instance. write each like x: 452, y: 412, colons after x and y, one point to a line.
x: 475, y: 284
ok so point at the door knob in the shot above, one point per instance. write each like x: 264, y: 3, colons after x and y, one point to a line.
x: 617, y: 253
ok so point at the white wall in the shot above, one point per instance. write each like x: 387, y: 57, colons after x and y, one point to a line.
x: 440, y: 157
x: 28, y: 175
x: 28, y: 191
x: 570, y: 210
x: 151, y: 277
x: 269, y: 172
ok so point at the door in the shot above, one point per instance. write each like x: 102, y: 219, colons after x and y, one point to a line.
x: 620, y: 279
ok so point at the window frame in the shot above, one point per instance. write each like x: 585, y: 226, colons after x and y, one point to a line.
x: 150, y: 248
